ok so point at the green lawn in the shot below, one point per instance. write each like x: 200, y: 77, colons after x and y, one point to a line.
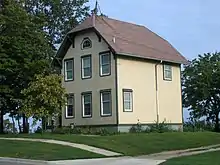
x: 140, y: 144
x: 211, y: 158
x: 41, y: 151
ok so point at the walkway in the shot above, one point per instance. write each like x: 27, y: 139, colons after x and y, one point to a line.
x: 179, y: 153
x: 75, y: 145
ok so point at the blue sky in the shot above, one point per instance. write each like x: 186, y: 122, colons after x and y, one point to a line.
x: 191, y: 26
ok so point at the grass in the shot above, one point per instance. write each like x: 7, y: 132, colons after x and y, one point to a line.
x: 140, y: 144
x: 41, y: 151
x: 212, y: 158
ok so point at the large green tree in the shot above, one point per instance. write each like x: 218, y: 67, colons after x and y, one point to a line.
x: 24, y: 51
x: 61, y: 15
x: 201, y: 87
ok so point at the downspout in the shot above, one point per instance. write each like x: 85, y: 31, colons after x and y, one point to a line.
x: 157, y: 91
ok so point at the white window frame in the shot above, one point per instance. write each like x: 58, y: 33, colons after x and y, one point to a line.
x: 72, y: 69
x: 73, y: 101
x: 167, y: 68
x: 83, y: 67
x: 101, y: 65
x: 109, y: 101
x: 83, y: 105
x: 130, y: 100
x: 86, y: 40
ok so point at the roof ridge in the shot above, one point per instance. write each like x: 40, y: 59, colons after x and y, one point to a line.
x: 131, y: 23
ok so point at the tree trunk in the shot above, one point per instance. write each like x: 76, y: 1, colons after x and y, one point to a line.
x: 217, y: 128
x: 19, y: 124
x: 24, y: 124
x: 13, y: 124
x: 1, y: 122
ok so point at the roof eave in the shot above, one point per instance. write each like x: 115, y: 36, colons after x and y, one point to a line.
x: 151, y: 58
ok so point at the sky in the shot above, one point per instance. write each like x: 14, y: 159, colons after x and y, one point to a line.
x: 191, y: 26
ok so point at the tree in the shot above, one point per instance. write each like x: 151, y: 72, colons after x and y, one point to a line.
x: 61, y: 15
x: 201, y: 87
x: 44, y: 97
x: 24, y: 51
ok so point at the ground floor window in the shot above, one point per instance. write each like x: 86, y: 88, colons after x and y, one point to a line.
x: 106, y: 107
x: 87, y: 104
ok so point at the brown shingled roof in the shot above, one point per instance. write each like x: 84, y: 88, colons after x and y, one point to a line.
x: 131, y: 39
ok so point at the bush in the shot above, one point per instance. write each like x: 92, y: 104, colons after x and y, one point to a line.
x: 159, y: 128
x: 198, y: 126
x: 87, y: 130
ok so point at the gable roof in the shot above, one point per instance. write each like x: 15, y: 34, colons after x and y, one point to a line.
x: 129, y: 39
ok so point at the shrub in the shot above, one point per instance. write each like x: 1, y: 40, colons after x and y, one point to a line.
x: 159, y: 128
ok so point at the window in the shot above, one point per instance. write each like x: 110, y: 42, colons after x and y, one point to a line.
x: 105, y: 64
x: 86, y: 64
x: 86, y: 43
x: 106, y: 103
x: 128, y: 100
x: 68, y: 67
x: 70, y: 106
x: 87, y: 104
x: 167, y: 69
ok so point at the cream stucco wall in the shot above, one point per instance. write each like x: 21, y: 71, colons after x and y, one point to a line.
x: 95, y: 84
x: 139, y: 75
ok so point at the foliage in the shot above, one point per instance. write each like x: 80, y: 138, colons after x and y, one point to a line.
x: 24, y: 52
x: 84, y: 131
x: 44, y: 97
x: 151, y: 128
x: 196, y: 126
x: 201, y: 87
x: 61, y: 15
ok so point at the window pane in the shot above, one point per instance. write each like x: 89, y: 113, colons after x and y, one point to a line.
x: 87, y: 44
x: 87, y: 72
x: 69, y: 65
x: 86, y: 62
x: 69, y: 110
x: 70, y: 101
x: 127, y: 96
x: 106, y: 108
x: 69, y: 75
x: 106, y: 96
x: 105, y: 69
x: 105, y: 59
x: 87, y: 109
x: 168, y: 74
x: 167, y: 67
x: 127, y: 105
x: 87, y: 98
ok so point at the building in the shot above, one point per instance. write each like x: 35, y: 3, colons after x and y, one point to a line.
x: 118, y: 74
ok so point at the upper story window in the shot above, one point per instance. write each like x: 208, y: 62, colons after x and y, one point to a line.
x: 86, y: 64
x: 128, y: 100
x: 167, y: 72
x: 70, y: 106
x: 69, y: 69
x: 105, y: 64
x: 86, y: 43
